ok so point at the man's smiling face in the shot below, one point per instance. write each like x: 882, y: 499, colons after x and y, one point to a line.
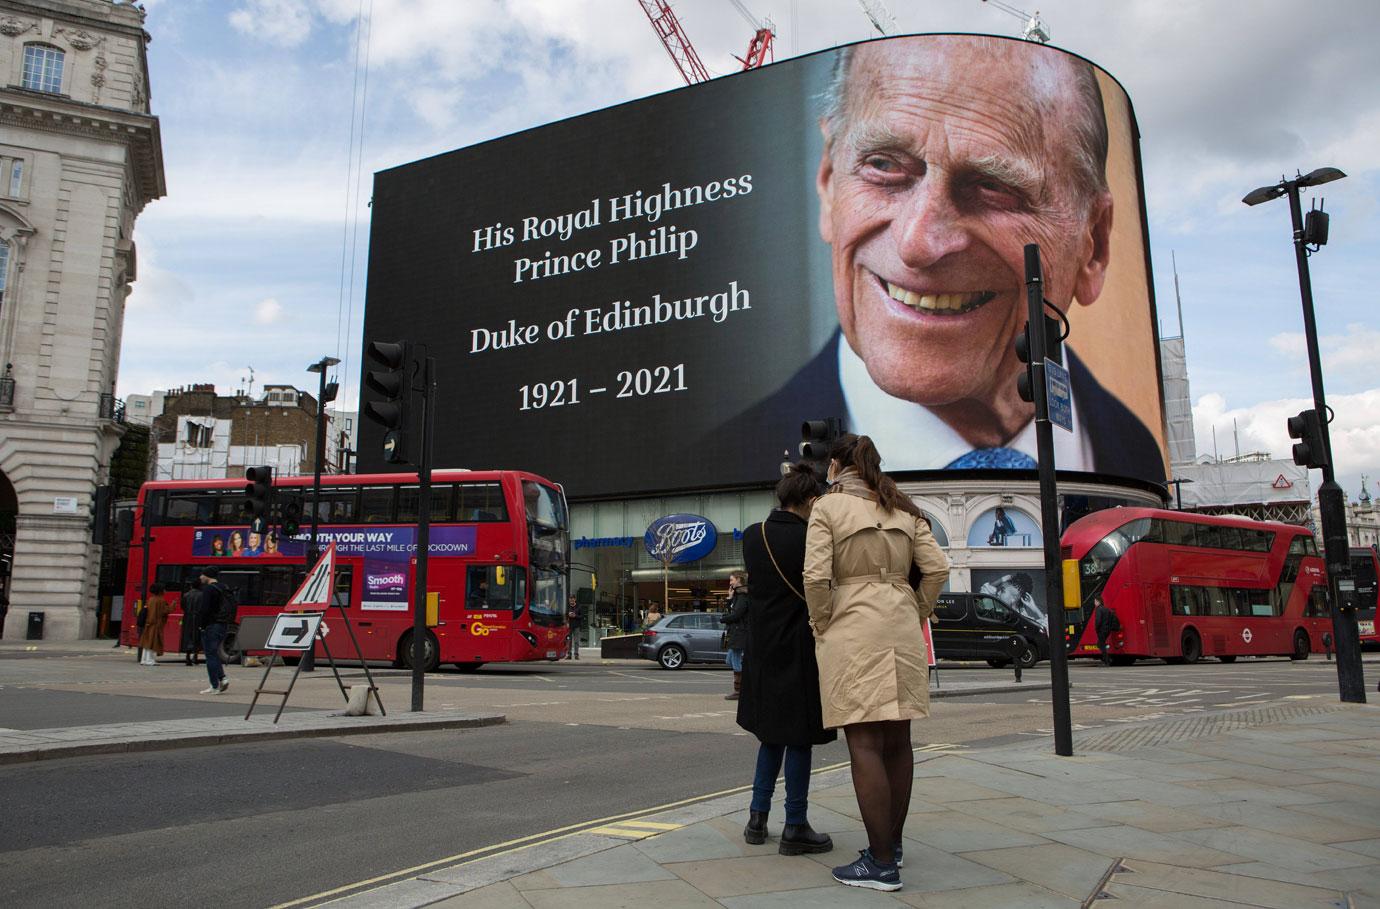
x: 942, y: 167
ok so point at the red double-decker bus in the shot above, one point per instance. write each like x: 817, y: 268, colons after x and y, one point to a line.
x: 1187, y: 586
x: 499, y: 553
x: 1365, y: 569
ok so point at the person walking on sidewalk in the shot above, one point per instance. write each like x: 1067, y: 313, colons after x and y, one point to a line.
x: 780, y: 699
x: 863, y: 539
x: 191, y: 622
x: 155, y: 617
x: 1106, y: 623
x: 736, y: 635
x: 572, y: 620
x: 217, y: 612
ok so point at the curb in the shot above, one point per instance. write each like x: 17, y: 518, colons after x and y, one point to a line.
x: 173, y: 741
x: 990, y: 689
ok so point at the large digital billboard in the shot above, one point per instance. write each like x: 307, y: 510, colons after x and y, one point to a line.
x: 653, y: 297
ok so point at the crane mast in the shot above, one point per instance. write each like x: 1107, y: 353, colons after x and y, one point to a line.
x: 674, y: 39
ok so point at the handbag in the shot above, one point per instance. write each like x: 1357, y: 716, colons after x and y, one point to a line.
x: 779, y: 573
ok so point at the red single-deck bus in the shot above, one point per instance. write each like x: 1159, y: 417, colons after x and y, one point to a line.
x: 1187, y: 585
x: 1365, y: 569
x: 499, y: 552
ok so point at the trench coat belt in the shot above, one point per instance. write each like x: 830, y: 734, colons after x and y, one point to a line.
x: 881, y: 577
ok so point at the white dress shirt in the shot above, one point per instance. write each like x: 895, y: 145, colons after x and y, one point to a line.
x: 911, y: 437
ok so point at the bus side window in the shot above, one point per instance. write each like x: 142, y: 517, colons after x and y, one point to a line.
x: 491, y: 587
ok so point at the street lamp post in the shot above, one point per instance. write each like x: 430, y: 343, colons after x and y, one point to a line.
x: 1178, y: 492
x: 1331, y: 500
x: 325, y: 394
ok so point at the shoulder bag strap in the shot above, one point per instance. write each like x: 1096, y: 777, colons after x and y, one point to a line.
x: 779, y: 572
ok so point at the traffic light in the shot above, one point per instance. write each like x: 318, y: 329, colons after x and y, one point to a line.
x: 394, y: 383
x: 816, y: 438
x: 1054, y: 350
x: 1025, y: 382
x: 1307, y: 428
x: 258, y: 497
x: 290, y: 517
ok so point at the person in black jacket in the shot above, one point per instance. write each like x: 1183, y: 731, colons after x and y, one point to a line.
x: 736, y: 635
x: 780, y: 699
x: 217, y: 613
x: 1106, y: 624
x: 191, y: 622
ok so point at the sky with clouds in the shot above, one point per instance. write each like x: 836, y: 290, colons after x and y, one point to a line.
x: 271, y: 136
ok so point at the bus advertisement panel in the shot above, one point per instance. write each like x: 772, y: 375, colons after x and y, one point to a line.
x: 498, y: 550
x: 1185, y: 586
x: 1365, y: 569
x: 838, y: 235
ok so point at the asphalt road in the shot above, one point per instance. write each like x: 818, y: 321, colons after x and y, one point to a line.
x: 256, y: 825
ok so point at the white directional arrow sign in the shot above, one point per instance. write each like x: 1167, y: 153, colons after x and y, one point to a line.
x: 294, y: 631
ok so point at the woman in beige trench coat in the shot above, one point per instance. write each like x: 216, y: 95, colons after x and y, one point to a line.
x: 864, y: 536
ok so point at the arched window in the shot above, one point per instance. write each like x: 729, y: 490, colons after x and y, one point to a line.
x: 941, y: 536
x: 43, y: 68
x: 1004, y: 526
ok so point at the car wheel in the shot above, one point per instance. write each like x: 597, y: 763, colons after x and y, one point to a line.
x: 1027, y: 656
x: 431, y: 655
x: 1192, y: 646
x: 1227, y: 658
x: 998, y: 663
x: 672, y: 656
x: 468, y: 667
x: 1302, y: 646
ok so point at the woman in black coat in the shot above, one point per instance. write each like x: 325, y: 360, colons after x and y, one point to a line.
x: 780, y: 697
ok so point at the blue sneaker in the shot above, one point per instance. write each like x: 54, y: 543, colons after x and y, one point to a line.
x: 868, y: 873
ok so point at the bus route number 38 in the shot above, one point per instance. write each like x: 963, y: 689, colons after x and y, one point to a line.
x: 630, y: 383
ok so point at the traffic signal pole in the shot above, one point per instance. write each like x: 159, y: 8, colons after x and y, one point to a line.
x: 1331, y: 500
x: 419, y: 594
x: 1049, y: 505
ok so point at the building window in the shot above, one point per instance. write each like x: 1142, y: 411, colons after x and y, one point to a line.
x: 43, y: 68
x: 16, y: 177
x: 4, y: 267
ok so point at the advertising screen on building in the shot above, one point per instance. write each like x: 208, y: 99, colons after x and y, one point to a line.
x: 653, y: 297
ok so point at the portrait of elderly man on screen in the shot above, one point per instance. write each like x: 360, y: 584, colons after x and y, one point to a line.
x: 943, y: 157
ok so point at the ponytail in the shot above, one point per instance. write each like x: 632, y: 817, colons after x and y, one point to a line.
x: 860, y: 454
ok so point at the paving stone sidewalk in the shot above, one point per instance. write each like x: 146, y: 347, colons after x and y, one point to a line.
x: 1275, y: 806
x: 17, y: 746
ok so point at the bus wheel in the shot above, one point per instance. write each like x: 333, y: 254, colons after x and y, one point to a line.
x: 1227, y: 658
x: 1027, y: 656
x: 431, y: 656
x: 468, y: 667
x: 672, y: 656
x: 1301, y: 645
x: 1192, y: 646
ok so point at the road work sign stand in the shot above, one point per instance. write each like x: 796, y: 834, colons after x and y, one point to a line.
x: 302, y: 624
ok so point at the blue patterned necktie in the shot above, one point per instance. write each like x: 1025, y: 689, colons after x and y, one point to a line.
x: 1004, y: 458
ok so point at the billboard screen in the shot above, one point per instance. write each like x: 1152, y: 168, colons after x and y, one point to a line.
x: 654, y: 296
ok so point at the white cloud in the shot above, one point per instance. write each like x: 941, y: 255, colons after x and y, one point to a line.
x: 1349, y: 356
x: 268, y: 311
x: 283, y: 22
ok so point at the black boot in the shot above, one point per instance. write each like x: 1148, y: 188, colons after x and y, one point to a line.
x: 756, y: 830
x: 800, y: 838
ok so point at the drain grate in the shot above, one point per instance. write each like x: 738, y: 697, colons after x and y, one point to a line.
x: 1150, y: 734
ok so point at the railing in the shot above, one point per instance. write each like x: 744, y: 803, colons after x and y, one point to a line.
x: 111, y: 408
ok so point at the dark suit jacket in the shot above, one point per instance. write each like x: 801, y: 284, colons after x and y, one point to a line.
x: 1121, y: 444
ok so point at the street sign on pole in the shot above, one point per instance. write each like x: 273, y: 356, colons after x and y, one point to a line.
x: 1060, y: 392
x: 294, y: 631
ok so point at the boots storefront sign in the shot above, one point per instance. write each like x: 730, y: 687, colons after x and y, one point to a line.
x: 680, y: 538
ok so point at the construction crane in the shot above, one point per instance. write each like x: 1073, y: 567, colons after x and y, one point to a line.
x: 1035, y: 29
x: 676, y: 42
x: 668, y: 28
x: 760, y: 47
x: 880, y: 16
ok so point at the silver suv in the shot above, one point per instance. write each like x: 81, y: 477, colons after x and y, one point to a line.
x: 684, y: 637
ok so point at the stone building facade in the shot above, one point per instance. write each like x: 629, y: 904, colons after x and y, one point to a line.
x: 80, y: 157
